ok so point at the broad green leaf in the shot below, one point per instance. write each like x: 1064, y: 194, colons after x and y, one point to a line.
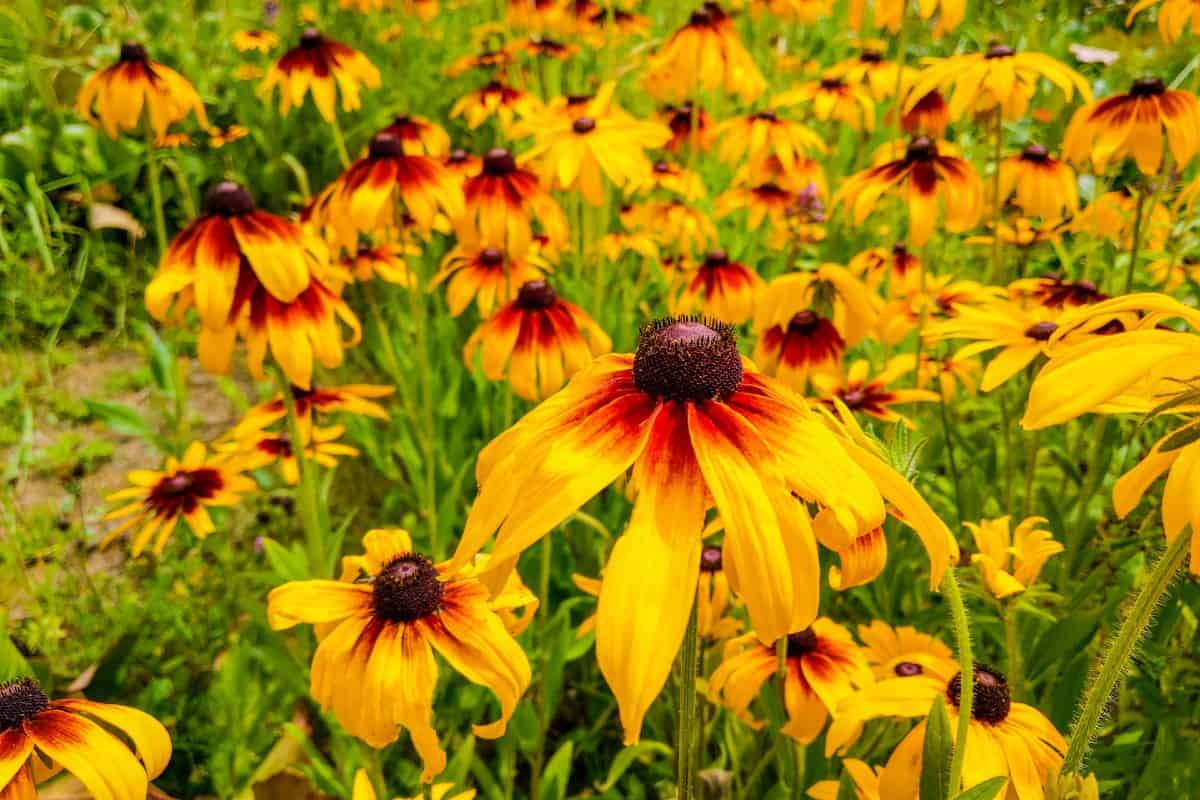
x: 120, y: 418
x: 288, y: 563
x: 557, y: 774
x: 935, y: 754
x: 626, y: 757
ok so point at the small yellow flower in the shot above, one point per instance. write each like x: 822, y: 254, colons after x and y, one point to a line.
x: 1011, y: 560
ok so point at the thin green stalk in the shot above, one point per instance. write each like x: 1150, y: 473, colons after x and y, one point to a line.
x: 154, y: 173
x: 1012, y: 643
x: 953, y: 462
x: 339, y: 140
x: 1035, y: 442
x: 1135, y: 244
x: 1091, y: 484
x: 687, y: 735
x: 997, y: 154
x: 1006, y: 425
x: 1133, y: 627
x: 966, y: 662
x: 309, y: 501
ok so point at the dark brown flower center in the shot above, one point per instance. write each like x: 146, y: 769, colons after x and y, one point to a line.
x: 870, y: 56
x: 385, y: 145
x: 20, y: 700
x: 182, y: 492
x: 717, y: 258
x: 990, y: 700
x: 578, y: 99
x: 804, y: 322
x: 490, y: 256
x: 687, y: 359
x: 921, y: 148
x: 700, y: 18
x: 584, y: 125
x: 900, y: 250
x: 854, y: 398
x: 499, y: 161
x: 1147, y: 87
x: 831, y: 83
x: 134, y: 52
x: 228, y: 199
x: 769, y: 115
x: 535, y: 295
x: 1041, y: 331
x: 407, y: 589
x: 998, y: 50
x: 710, y: 559
x: 457, y: 156
x: 311, y: 38
x: 1035, y: 152
x: 799, y: 644
x: 907, y: 669
x: 662, y: 167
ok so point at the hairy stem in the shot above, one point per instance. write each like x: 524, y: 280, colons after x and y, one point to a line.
x: 685, y: 741
x: 966, y: 662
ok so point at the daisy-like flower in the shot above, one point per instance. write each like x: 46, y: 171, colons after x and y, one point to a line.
x: 1169, y: 274
x: 1039, y: 185
x: 1021, y: 232
x: 219, y: 137
x: 828, y: 286
x: 1173, y: 17
x: 898, y: 265
x: 114, y: 751
x: 677, y: 226
x: 538, y: 46
x: 494, y: 99
x: 690, y: 126
x: 869, y: 69
x: 184, y: 489
x: 676, y: 179
x: 262, y: 41
x: 115, y: 97
x: 1135, y: 124
x: 487, y: 275
x: 580, y: 153
x: 706, y: 54
x: 763, y: 134
x: 926, y: 172
x: 1022, y: 334
x: 375, y: 668
x: 353, y: 398
x: 1112, y: 216
x: 824, y: 666
x: 699, y: 428
x: 614, y: 246
x: 503, y: 200
x: 804, y: 175
x: 255, y: 449
x: 462, y: 165
x: 496, y: 61
x: 385, y: 261
x: 889, y: 13
x: 720, y: 288
x: 807, y: 344
x: 419, y: 136
x: 927, y: 116
x: 1055, y: 291
x: 950, y: 372
x: 834, y: 98
x: 864, y: 776
x: 1011, y: 558
x: 765, y: 201
x: 804, y: 11
x: 538, y: 340
x: 363, y: 199
x: 997, y: 78
x: 1005, y: 738
x: 324, y: 67
x: 940, y: 299
x: 873, y: 393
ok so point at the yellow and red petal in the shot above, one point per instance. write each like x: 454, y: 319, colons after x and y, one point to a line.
x: 315, y: 602
x: 150, y: 739
x: 97, y: 758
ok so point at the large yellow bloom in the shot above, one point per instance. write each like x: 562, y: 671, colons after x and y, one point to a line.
x: 114, y: 751
x: 1022, y: 334
x: 1011, y: 559
x: 874, y: 393
x: 1173, y: 17
x: 1135, y: 123
x: 889, y: 13
x: 324, y: 67
x: 720, y: 288
x: 763, y: 134
x: 115, y: 96
x: 834, y: 98
x: 374, y: 669
x: 503, y: 200
x: 1038, y: 184
x: 705, y: 54
x: 699, y: 428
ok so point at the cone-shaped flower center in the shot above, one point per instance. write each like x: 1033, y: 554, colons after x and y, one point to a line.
x: 907, y: 669
x: 402, y: 120
x: 578, y: 99
x: 799, y: 644
x: 133, y: 51
x: 535, y: 295
x: 584, y: 125
x: 991, y: 699
x: 1147, y: 87
x: 710, y: 559
x: 228, y: 199
x: 700, y: 18
x: 490, y: 256
x: 687, y: 359
x: 20, y: 700
x: 854, y: 398
x: 717, y: 258
x: 871, y: 56
x: 998, y: 50
x: 385, y: 145
x: 183, y: 491
x: 499, y: 161
x: 832, y: 83
x: 662, y: 167
x: 1041, y: 331
x: 457, y: 156
x: 1035, y: 152
x: 310, y: 38
x: 900, y: 250
x: 921, y: 148
x: 407, y: 589
x: 803, y: 322
x: 769, y: 115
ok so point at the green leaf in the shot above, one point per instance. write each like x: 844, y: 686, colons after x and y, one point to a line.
x: 626, y: 757
x: 288, y: 563
x: 557, y: 774
x: 162, y: 363
x: 935, y: 755
x: 120, y: 418
x: 846, y: 788
x: 984, y: 791
x: 1180, y: 438
x: 12, y: 663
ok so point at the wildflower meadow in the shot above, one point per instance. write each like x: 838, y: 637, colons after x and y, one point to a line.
x: 647, y: 399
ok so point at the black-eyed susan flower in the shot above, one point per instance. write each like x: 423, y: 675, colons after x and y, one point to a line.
x: 1041, y: 186
x: 219, y: 137
x: 996, y: 78
x: 114, y: 751
x: 706, y: 54
x: 496, y: 61
x: 765, y: 133
x: 1112, y: 216
x: 488, y: 275
x: 502, y: 202
x: 869, y: 68
x: 384, y: 629
x: 824, y: 666
x: 1005, y: 738
x: 1021, y: 333
x: 1173, y: 17
x: 927, y: 115
x: 888, y: 14
x: 834, y: 98
x: 1055, y: 291
x: 115, y: 97
x: 897, y: 265
x: 689, y: 124
x: 874, y: 393
x: 324, y: 67
x: 830, y: 289
x: 184, y: 489
x: 939, y: 299
x: 462, y: 165
x: 699, y: 427
x: 804, y: 11
x: 1022, y: 232
x: 368, y: 196
x: 864, y: 777
x: 1011, y: 558
x: 580, y: 153
x: 419, y: 136
x: 1135, y: 124
x: 256, y: 449
x: 615, y: 245
x: 676, y: 179
x: 806, y: 344
x: 798, y: 177
x: 720, y: 288
x: 538, y: 46
x: 677, y: 226
x: 494, y: 99
x: 352, y: 398
x: 386, y: 261
x: 925, y: 173
x: 1169, y: 274
x: 537, y: 341
x: 262, y: 41
x: 951, y: 372
x: 761, y: 202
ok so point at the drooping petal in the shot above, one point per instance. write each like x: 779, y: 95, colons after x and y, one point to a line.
x: 149, y: 737
x: 315, y: 602
x: 98, y: 759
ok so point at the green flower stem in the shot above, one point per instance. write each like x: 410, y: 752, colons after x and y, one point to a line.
x: 950, y: 457
x: 685, y: 741
x: 1133, y: 627
x: 309, y: 500
x: 1135, y: 244
x: 966, y: 696
x: 997, y: 154
x: 1012, y: 643
x: 339, y: 141
x: 154, y: 173
x: 1034, y: 448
